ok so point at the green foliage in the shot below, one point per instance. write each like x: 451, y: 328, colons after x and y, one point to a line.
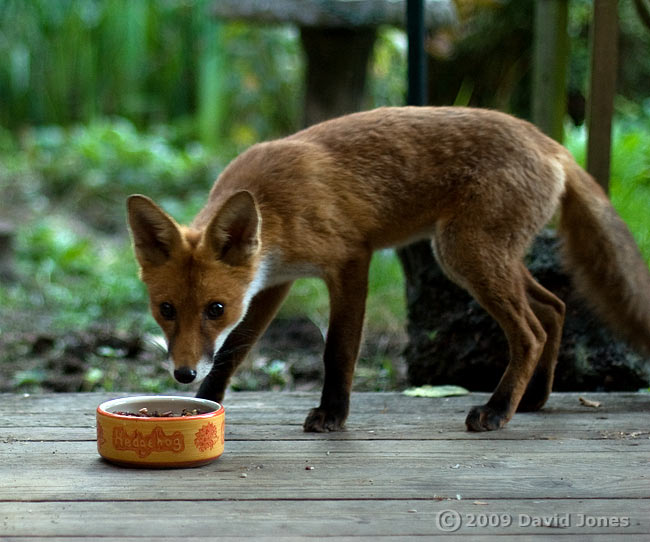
x: 630, y: 173
x: 387, y: 77
x: 634, y: 43
x: 89, y: 170
x: 65, y: 190
x: 151, y: 62
x: 385, y: 307
x: 262, y: 84
x: 71, y: 280
x: 103, y: 98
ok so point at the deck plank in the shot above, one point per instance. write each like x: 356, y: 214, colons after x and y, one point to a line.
x: 353, y: 469
x: 305, y: 518
x: 381, y: 415
x: 400, y: 463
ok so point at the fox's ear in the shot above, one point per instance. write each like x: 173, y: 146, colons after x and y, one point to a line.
x: 155, y: 233
x: 233, y: 235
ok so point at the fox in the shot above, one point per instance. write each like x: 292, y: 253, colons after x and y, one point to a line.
x: 478, y: 184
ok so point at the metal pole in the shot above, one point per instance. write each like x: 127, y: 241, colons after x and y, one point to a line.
x: 417, y: 256
x: 417, y: 65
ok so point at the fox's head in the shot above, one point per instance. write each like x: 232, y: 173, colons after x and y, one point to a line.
x: 199, y: 281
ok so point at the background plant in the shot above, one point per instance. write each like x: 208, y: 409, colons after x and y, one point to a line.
x: 103, y: 98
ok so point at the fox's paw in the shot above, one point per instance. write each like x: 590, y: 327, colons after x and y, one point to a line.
x: 533, y: 400
x: 537, y: 392
x: 320, y: 420
x: 485, y: 418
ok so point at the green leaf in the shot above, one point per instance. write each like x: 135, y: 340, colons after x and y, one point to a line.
x: 436, y: 391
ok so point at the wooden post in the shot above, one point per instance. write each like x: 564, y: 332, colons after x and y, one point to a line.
x: 550, y: 66
x: 604, y: 52
x: 337, y: 62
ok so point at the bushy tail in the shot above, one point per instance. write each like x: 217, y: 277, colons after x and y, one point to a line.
x: 604, y: 260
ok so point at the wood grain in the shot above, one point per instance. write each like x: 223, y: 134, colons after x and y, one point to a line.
x: 401, y: 463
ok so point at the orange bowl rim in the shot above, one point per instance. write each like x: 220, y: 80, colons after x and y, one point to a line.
x: 217, y: 408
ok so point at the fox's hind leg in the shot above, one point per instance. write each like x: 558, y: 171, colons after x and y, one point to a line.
x: 496, y: 278
x: 550, y: 310
x: 506, y: 302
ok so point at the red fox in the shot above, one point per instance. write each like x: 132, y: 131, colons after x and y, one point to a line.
x: 480, y: 184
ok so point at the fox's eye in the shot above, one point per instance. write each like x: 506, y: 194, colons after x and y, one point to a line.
x: 167, y: 311
x: 214, y: 310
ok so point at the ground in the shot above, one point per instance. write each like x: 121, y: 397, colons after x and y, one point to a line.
x: 287, y: 358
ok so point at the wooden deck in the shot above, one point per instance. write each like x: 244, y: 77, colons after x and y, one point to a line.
x: 405, y: 468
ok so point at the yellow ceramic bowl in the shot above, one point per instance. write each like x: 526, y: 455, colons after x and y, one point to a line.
x: 161, y: 441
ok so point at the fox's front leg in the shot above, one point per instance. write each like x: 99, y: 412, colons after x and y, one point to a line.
x: 262, y: 309
x: 348, y: 288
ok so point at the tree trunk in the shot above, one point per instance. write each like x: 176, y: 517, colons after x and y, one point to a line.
x: 7, y: 235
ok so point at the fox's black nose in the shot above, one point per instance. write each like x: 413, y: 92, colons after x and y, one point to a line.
x: 184, y: 375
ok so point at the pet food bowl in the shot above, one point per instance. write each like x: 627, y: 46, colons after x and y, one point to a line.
x: 160, y: 431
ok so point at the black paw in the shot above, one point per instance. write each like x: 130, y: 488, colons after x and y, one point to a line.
x: 537, y: 392
x: 485, y: 418
x: 320, y: 420
x: 532, y: 401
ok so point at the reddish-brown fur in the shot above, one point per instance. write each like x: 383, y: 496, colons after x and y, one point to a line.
x: 479, y: 183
